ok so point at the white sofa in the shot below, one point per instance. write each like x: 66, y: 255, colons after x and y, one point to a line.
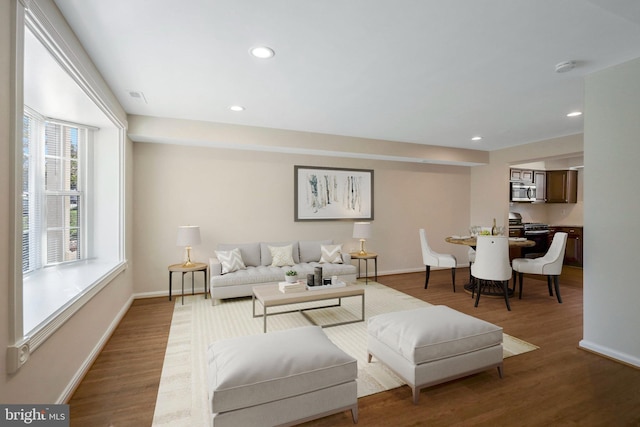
x: 306, y: 255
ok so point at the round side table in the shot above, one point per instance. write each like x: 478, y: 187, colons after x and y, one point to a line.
x: 180, y: 268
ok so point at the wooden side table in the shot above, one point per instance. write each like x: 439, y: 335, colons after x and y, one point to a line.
x: 179, y: 268
x: 366, y: 257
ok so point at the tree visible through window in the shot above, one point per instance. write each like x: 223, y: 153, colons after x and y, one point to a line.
x: 52, y: 192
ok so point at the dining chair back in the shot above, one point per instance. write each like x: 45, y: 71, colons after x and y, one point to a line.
x: 435, y: 259
x: 491, y: 267
x: 549, y: 265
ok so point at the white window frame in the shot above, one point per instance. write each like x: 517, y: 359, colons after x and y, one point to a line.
x: 48, y: 25
x: 38, y: 228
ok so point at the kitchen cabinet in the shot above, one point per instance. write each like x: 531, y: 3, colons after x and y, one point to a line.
x: 540, y: 180
x: 561, y: 186
x: 522, y: 175
x: 573, y: 251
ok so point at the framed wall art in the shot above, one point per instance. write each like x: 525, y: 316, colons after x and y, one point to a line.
x: 323, y: 194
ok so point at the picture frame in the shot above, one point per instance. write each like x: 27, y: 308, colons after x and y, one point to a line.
x: 332, y: 194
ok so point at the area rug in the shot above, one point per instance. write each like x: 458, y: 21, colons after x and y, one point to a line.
x: 182, y: 395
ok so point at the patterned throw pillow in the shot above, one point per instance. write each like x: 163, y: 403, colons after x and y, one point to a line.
x: 281, y: 255
x: 331, y: 254
x: 231, y: 260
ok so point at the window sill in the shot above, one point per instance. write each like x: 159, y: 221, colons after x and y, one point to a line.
x: 56, y: 293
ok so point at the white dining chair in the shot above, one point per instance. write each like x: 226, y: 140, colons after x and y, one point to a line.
x: 472, y: 258
x: 491, y: 265
x: 435, y: 259
x: 550, y: 265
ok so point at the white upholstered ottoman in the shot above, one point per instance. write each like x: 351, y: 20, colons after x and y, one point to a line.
x: 280, y: 378
x: 432, y: 345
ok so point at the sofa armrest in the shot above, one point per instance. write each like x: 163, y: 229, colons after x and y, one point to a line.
x: 215, y: 268
x: 346, y: 258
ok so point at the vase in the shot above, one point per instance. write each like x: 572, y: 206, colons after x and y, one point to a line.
x: 291, y: 279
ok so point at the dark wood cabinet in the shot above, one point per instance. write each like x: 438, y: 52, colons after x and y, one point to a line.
x: 573, y: 252
x: 561, y: 186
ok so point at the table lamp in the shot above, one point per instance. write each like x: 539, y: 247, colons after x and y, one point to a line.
x: 362, y: 231
x: 188, y: 235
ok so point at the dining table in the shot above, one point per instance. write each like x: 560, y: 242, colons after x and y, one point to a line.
x: 491, y: 291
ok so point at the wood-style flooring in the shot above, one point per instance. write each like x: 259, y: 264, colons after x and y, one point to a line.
x: 121, y: 386
x: 556, y: 385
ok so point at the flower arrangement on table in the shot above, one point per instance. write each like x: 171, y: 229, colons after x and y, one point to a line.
x: 291, y: 276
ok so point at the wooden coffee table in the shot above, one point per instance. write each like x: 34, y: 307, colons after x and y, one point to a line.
x: 270, y: 296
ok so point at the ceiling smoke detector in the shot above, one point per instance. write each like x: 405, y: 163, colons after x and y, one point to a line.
x: 565, y: 66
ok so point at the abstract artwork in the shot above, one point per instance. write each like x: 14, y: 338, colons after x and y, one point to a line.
x: 332, y: 193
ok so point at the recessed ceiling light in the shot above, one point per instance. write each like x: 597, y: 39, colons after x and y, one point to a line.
x: 262, y: 52
x: 236, y: 108
x: 574, y: 114
x: 476, y: 138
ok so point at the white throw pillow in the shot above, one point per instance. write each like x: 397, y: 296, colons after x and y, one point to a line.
x: 231, y: 260
x: 281, y: 255
x: 331, y: 254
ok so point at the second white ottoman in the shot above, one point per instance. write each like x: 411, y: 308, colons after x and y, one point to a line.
x: 432, y: 345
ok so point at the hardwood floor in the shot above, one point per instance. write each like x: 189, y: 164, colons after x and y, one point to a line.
x: 121, y: 387
x: 558, y: 384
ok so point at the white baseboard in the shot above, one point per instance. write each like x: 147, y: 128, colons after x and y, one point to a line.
x: 609, y: 353
x: 413, y: 270
x: 86, y: 365
x: 165, y: 293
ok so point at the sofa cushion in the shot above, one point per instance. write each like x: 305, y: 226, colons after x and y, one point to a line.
x: 310, y: 249
x: 281, y: 256
x: 265, y: 253
x: 331, y: 254
x: 251, y: 275
x: 257, y: 369
x: 432, y: 333
x: 231, y: 260
x: 250, y: 252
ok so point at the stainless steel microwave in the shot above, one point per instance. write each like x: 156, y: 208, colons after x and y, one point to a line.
x: 521, y: 192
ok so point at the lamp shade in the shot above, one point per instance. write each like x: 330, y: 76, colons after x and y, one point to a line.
x: 361, y: 230
x: 188, y: 235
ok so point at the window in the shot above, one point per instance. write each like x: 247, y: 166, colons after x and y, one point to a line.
x: 52, y: 192
x: 69, y: 205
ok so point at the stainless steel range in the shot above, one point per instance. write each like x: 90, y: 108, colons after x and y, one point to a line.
x: 536, y: 231
x: 516, y: 229
x: 539, y: 233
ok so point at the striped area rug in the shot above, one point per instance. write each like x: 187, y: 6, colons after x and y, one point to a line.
x: 182, y: 395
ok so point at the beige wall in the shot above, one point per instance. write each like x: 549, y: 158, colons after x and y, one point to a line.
x: 243, y: 196
x: 219, y: 135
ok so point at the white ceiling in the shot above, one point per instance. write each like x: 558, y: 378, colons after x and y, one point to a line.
x: 423, y: 71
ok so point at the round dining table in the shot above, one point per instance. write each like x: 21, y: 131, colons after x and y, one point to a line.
x: 520, y: 242
x: 492, y: 291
